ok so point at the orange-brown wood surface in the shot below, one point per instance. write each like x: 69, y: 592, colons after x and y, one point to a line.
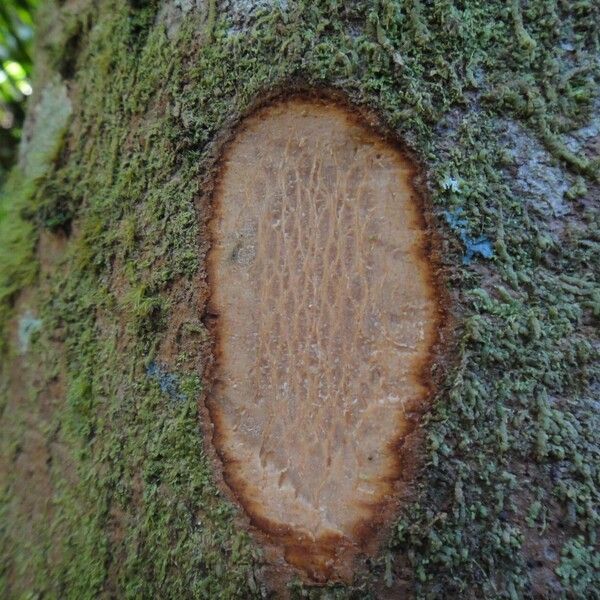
x: 327, y: 315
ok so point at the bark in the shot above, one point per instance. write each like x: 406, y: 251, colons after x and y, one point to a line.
x: 109, y: 486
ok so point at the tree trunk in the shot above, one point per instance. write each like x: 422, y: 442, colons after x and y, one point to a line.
x: 111, y: 484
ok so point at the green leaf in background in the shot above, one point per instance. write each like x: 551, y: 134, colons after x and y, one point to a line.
x: 16, y: 33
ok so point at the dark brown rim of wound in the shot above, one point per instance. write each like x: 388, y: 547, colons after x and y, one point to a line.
x: 371, y: 533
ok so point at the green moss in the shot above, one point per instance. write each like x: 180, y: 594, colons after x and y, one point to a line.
x: 513, y: 419
x: 17, y: 264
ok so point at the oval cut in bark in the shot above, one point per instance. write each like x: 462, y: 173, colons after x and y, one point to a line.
x: 325, y: 319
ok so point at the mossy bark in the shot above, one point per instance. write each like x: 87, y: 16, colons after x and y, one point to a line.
x: 106, y: 487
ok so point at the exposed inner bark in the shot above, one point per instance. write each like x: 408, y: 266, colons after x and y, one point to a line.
x: 326, y: 316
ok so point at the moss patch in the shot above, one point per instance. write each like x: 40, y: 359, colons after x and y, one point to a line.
x: 511, y: 459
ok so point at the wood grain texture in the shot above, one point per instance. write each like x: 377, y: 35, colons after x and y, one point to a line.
x: 326, y: 316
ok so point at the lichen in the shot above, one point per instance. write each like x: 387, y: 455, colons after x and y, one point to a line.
x: 28, y: 325
x: 50, y: 118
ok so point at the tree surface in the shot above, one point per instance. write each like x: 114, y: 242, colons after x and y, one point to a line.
x: 108, y: 488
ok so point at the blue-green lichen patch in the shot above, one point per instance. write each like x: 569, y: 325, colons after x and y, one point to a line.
x: 168, y: 383
x: 50, y: 117
x: 28, y: 326
x: 511, y: 463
